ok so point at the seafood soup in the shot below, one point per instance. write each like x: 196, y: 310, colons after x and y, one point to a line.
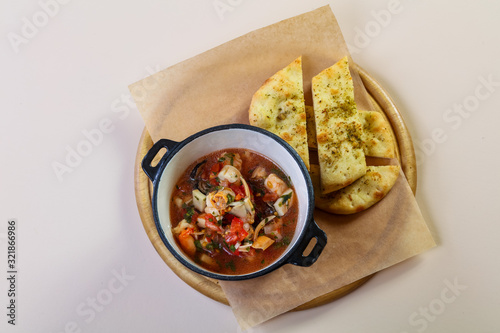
x: 233, y: 211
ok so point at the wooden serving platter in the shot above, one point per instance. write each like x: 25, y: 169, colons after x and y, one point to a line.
x: 211, y: 288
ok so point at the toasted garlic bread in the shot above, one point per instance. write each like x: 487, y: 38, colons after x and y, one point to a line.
x: 377, y: 137
x: 338, y: 129
x: 360, y: 195
x: 278, y: 106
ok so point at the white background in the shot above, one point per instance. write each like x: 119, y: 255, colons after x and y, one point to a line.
x: 77, y: 232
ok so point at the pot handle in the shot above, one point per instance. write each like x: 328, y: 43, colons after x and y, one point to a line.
x: 149, y: 170
x: 313, y: 231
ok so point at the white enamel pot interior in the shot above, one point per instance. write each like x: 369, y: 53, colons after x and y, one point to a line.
x: 180, y: 155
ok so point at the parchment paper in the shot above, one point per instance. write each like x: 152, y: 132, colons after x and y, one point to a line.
x: 215, y: 88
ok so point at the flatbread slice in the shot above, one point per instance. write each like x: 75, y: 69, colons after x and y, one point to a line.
x: 338, y: 129
x: 377, y: 137
x: 360, y: 195
x: 278, y: 106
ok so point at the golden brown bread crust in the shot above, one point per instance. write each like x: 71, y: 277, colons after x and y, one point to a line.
x: 360, y: 195
x: 278, y: 106
x: 342, y: 135
x: 338, y: 129
x: 378, y: 140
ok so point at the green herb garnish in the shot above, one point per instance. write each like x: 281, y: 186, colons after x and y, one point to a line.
x: 213, y: 245
x: 286, y: 197
x: 282, y: 176
x: 189, y: 214
x: 231, y: 157
x: 231, y: 265
x: 284, y: 242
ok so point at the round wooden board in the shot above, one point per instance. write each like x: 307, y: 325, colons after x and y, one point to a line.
x: 210, y: 287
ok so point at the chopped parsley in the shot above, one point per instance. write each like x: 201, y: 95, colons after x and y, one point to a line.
x: 284, y: 242
x: 231, y: 265
x: 213, y: 245
x: 189, y: 214
x: 283, y: 177
x: 231, y: 157
x: 286, y: 197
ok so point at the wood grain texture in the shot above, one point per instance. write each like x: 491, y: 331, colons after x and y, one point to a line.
x: 209, y: 287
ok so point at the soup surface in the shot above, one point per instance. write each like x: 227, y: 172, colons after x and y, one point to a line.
x: 233, y: 211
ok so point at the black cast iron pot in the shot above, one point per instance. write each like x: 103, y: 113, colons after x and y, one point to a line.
x: 180, y: 155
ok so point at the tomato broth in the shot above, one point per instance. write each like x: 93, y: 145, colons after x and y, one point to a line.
x: 233, y: 211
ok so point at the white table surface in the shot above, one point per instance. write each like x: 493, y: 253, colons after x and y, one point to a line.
x: 84, y: 261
